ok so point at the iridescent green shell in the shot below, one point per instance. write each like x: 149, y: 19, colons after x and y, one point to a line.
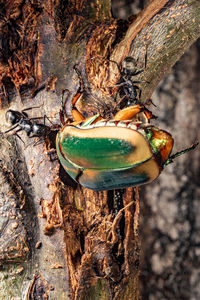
x: 110, y: 155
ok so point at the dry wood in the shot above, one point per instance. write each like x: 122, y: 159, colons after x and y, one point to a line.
x: 42, y: 43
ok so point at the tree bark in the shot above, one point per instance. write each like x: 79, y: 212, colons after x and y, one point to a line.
x: 169, y: 226
x: 84, y: 249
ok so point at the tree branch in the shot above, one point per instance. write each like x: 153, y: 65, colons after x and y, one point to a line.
x: 47, y: 41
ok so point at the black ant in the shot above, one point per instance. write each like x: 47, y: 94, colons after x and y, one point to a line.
x: 21, y: 121
x: 130, y: 88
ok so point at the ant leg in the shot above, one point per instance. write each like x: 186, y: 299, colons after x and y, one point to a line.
x: 19, y: 137
x: 25, y: 115
x: 145, y: 59
x: 119, y: 69
x: 130, y: 98
x: 149, y: 102
x: 29, y: 108
x: 63, y: 102
x: 145, y: 62
x: 140, y: 81
x: 42, y: 118
x: 137, y: 73
x: 45, y: 117
x: 121, y: 84
x: 119, y: 102
x: 36, y: 118
x: 15, y: 133
x: 140, y: 71
x: 140, y: 93
x: 10, y: 129
x: 77, y: 116
x: 39, y: 141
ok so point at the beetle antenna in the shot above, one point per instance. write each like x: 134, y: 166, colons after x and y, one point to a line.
x: 172, y: 157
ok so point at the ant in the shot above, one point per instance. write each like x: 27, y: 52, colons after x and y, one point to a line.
x: 130, y: 88
x: 21, y: 121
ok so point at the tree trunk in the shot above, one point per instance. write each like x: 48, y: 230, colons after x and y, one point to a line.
x: 170, y: 206
x: 82, y: 246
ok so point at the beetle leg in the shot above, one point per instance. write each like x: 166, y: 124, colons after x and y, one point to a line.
x: 77, y: 116
x: 118, y: 200
x: 172, y: 157
x: 92, y: 120
x: 80, y: 172
x: 131, y: 111
x: 62, y: 110
x: 89, y: 121
x: 148, y: 114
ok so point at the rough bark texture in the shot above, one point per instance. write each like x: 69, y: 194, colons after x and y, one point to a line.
x: 169, y: 215
x: 84, y: 249
x: 170, y: 206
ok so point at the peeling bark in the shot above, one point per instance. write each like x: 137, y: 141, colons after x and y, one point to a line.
x: 83, y: 231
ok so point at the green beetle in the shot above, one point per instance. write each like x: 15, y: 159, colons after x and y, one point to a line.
x: 105, y: 155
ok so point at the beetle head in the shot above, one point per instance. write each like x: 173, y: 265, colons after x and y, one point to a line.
x: 161, y: 142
